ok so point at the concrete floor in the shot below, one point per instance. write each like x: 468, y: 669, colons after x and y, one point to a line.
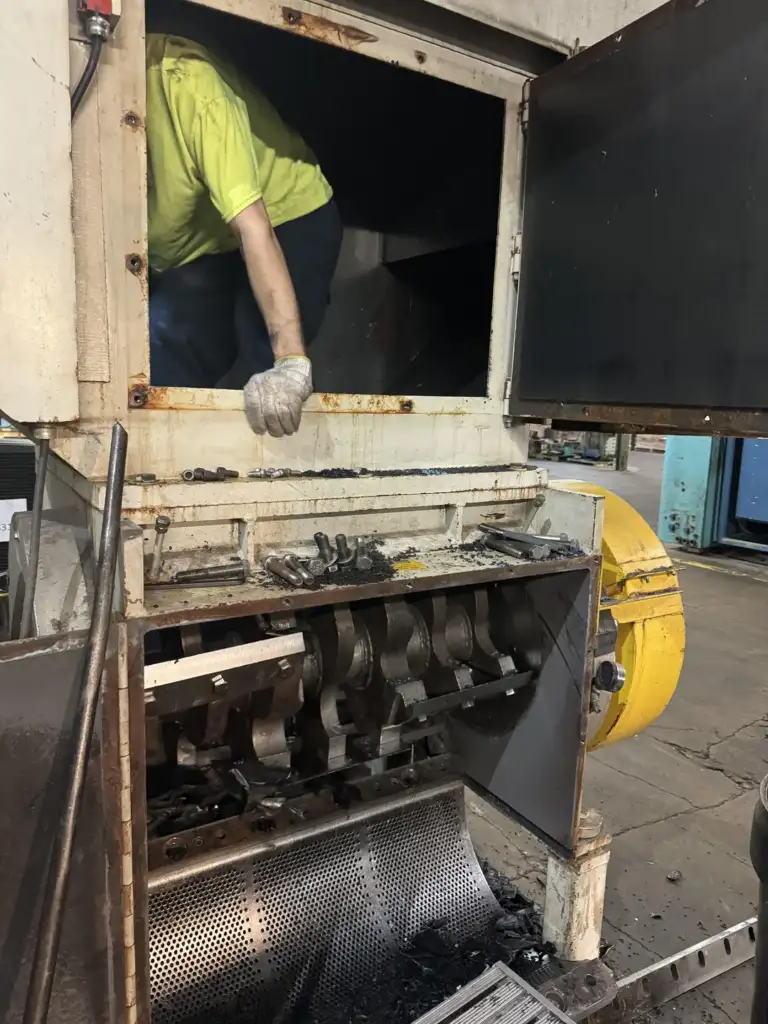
x: 680, y: 797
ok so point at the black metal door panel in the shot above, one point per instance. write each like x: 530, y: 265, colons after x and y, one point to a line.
x: 39, y: 685
x: 644, y: 278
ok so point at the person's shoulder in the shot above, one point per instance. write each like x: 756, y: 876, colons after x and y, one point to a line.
x: 188, y: 64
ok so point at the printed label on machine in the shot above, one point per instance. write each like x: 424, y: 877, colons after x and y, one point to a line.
x: 8, y: 507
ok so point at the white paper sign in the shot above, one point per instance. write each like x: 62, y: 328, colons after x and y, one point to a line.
x: 7, y: 508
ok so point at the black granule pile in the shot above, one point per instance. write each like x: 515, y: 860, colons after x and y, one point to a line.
x: 341, y: 474
x: 382, y: 569
x: 434, y: 964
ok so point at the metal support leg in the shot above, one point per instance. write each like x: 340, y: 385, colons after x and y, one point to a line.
x: 575, y: 899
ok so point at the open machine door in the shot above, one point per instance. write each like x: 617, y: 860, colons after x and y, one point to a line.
x: 643, y: 297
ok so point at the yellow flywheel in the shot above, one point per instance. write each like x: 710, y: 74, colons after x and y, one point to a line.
x: 639, y: 587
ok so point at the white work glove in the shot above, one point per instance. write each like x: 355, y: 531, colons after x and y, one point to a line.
x: 273, y: 399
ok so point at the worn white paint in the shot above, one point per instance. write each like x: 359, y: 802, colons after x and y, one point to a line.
x: 574, y: 902
x: 37, y: 267
x: 560, y: 24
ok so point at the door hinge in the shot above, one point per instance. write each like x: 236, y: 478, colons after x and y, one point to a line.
x: 524, y: 111
x: 517, y: 252
x: 507, y: 389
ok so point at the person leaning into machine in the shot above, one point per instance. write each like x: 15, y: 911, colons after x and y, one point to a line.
x: 244, y: 236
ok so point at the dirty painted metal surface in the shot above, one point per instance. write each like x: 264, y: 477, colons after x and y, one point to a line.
x: 561, y: 24
x: 38, y: 686
x: 37, y: 290
x: 575, y: 899
x: 172, y: 607
x: 690, y: 491
x: 635, y: 419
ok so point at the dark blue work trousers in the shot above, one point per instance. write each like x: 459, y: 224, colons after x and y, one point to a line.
x: 205, y: 327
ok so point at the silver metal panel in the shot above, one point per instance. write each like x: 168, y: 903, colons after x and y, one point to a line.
x: 65, y: 578
x: 296, y: 923
x: 498, y: 996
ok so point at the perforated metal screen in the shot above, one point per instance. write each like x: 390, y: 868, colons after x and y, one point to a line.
x: 273, y: 932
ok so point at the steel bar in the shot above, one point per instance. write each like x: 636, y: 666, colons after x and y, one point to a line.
x: 54, y: 896
x: 209, y: 662
x: 28, y: 606
x: 657, y: 984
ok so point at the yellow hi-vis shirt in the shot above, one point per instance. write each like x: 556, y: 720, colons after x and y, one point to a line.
x: 215, y: 146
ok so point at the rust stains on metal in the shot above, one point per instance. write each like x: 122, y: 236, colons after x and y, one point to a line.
x: 131, y: 120
x: 138, y: 396
x: 158, y: 398
x: 388, y: 404
x: 652, y: 419
x: 330, y: 402
x: 314, y: 27
x: 134, y: 263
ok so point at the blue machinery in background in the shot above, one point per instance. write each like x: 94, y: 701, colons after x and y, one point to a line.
x: 715, y: 491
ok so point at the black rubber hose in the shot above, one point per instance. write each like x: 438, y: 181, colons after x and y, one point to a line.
x: 28, y: 606
x: 88, y: 72
x: 55, y: 893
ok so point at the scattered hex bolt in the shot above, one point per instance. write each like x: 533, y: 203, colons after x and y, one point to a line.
x: 161, y: 528
x: 316, y: 566
x: 199, y: 474
x: 675, y: 876
x: 346, y: 554
x: 363, y: 560
x: 276, y: 565
x: 327, y: 553
x: 291, y: 562
x: 227, y: 474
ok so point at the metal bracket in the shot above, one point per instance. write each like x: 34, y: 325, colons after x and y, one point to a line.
x: 657, y: 984
x: 517, y: 251
x: 524, y: 112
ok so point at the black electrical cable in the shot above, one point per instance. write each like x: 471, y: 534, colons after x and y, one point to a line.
x: 55, y: 893
x: 89, y: 71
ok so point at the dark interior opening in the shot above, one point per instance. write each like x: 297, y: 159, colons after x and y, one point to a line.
x: 415, y: 164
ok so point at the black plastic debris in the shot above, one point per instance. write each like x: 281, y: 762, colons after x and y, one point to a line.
x: 435, y: 963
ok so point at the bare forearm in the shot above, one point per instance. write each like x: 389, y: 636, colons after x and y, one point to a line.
x: 270, y: 280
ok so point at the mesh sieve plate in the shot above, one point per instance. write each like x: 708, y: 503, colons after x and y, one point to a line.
x: 277, y: 929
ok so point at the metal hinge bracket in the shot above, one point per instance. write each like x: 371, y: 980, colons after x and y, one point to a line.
x: 517, y: 252
x: 524, y: 111
x: 507, y: 389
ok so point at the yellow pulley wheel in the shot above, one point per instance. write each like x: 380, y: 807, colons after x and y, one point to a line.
x: 639, y: 587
